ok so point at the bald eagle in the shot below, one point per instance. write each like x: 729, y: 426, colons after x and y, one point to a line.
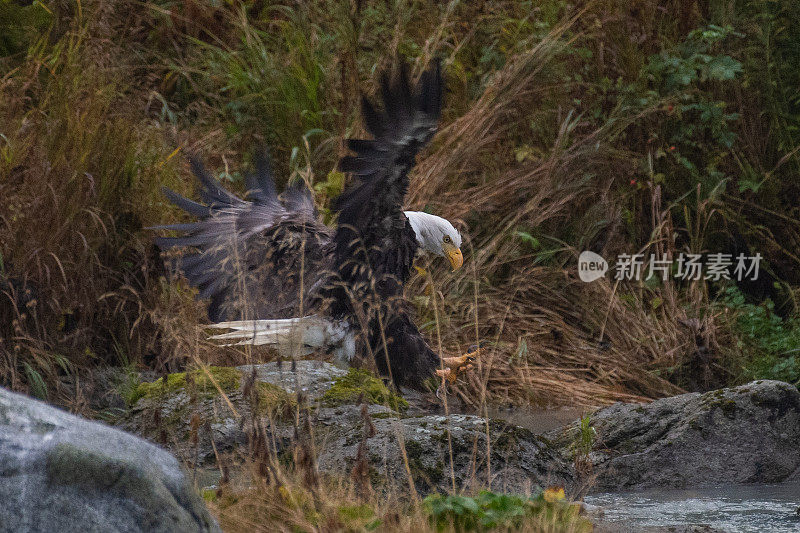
x: 276, y: 275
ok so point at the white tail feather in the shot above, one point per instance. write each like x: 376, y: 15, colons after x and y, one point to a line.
x: 291, y: 336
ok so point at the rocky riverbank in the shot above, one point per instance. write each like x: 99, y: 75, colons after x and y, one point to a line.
x: 746, y: 434
x: 55, y: 464
x: 519, y: 461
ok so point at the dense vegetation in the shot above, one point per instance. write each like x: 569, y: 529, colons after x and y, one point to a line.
x: 618, y: 127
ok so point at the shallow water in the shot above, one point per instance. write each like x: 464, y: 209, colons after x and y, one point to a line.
x: 537, y: 420
x: 735, y: 508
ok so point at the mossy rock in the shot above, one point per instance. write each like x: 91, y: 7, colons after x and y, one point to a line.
x: 349, y: 388
x: 431, y: 472
x: 227, y: 379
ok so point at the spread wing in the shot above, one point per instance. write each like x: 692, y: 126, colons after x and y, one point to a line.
x: 380, y: 166
x: 255, y: 258
x: 372, y: 228
x: 374, y: 242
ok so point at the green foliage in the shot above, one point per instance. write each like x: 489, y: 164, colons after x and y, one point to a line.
x: 20, y: 24
x: 771, y: 344
x: 489, y: 510
x: 528, y: 239
x: 584, y: 441
x: 693, y: 61
x: 772, y: 68
x: 36, y: 381
x: 332, y: 186
x: 127, y: 386
x: 698, y: 131
x: 272, y: 83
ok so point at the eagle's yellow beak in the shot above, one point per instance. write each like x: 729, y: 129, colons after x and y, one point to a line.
x: 453, y: 255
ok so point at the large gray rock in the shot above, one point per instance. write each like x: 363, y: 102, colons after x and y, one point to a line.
x: 516, y: 460
x: 746, y: 434
x: 312, y: 378
x: 59, y: 472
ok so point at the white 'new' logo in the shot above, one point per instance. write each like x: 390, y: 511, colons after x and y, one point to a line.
x: 591, y: 266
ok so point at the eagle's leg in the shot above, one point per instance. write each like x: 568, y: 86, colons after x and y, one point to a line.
x: 454, y: 366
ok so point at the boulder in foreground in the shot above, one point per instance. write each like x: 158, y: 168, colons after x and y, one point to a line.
x: 60, y: 472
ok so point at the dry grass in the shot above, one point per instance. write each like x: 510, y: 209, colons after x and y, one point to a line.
x: 269, y: 508
x: 82, y: 166
x: 80, y: 174
x: 581, y: 343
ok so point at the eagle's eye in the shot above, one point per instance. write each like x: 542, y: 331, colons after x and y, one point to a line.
x: 447, y: 238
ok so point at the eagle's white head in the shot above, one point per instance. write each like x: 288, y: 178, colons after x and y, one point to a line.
x: 437, y: 236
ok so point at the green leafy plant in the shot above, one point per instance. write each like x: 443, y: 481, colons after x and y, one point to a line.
x: 693, y: 60
x: 772, y: 343
x: 488, y: 510
x: 698, y: 130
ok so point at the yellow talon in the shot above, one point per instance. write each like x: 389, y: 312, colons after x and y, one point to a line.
x: 454, y: 366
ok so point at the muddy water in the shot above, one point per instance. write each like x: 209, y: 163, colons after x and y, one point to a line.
x: 732, y: 508
x: 538, y: 420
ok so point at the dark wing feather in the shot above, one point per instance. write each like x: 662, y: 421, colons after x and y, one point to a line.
x: 370, y: 210
x: 212, y: 191
x: 297, y: 199
x: 246, y: 255
x: 374, y: 242
x: 260, y: 185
